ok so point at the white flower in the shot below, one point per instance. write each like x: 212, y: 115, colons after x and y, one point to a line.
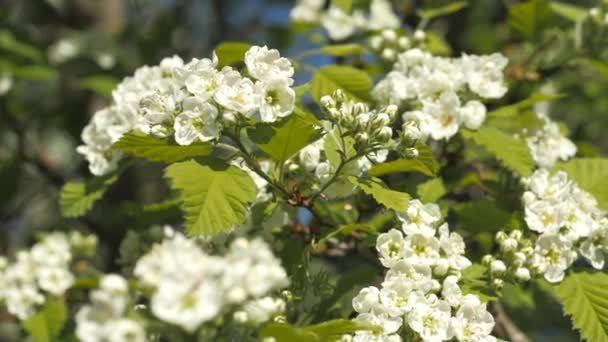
x: 187, y: 304
x: 472, y: 322
x: 453, y: 248
x: 55, y: 280
x: 548, y: 145
x: 197, y: 121
x: 417, y: 274
x: 394, y: 89
x: 450, y: 291
x: 339, y: 25
x: 473, y: 114
x: 484, y: 74
x: 444, y: 115
x: 382, y: 16
x: 306, y: 11
x: 420, y: 218
x: 275, y: 99
x: 595, y: 247
x: 237, y: 94
x: 267, y: 64
x: 263, y: 309
x: 542, y: 216
x: 398, y: 297
x: 431, y: 320
x: 549, y: 188
x: 379, y: 315
x: 552, y: 256
x: 422, y: 249
x: 366, y: 299
x: 310, y: 156
x: 124, y: 330
x: 391, y: 247
x: 22, y: 301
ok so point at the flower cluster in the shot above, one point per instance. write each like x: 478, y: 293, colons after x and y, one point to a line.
x: 389, y: 43
x: 341, y: 25
x: 443, y: 92
x: 104, y: 319
x: 547, y: 145
x: 191, y: 102
x: 512, y: 262
x: 420, y: 291
x: 191, y: 287
x: 44, y: 269
x: 569, y: 223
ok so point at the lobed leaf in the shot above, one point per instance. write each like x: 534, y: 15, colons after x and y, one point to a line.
x: 373, y: 186
x: 147, y: 147
x: 355, y: 83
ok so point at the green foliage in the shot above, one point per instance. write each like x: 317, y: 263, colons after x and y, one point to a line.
x: 338, y: 148
x: 474, y: 281
x: 509, y: 150
x: 452, y: 7
x: 46, y: 324
x: 481, y: 216
x: 340, y: 50
x: 431, y: 190
x: 354, y: 82
x: 100, y: 84
x: 584, y: 297
x: 77, y: 198
x: 326, y: 331
x: 9, y: 43
x: 284, y: 138
x: 568, y: 11
x: 35, y: 73
x: 230, y: 53
x: 591, y: 174
x: 373, y: 186
x: 528, y: 18
x: 215, y: 196
x: 147, y: 147
x: 425, y: 163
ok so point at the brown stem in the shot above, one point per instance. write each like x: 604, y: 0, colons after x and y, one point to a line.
x: 505, y: 326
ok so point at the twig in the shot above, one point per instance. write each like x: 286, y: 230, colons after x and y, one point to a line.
x: 505, y: 326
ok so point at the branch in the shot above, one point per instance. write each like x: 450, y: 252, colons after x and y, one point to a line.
x: 505, y: 326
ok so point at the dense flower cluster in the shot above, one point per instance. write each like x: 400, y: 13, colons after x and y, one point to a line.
x: 341, y: 24
x: 42, y: 270
x: 390, y: 43
x: 420, y: 291
x: 190, y: 102
x: 547, y: 145
x: 104, y: 319
x: 191, y: 287
x: 443, y: 92
x: 569, y: 223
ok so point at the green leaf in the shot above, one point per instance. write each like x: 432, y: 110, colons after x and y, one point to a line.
x: 324, y: 332
x: 284, y: 138
x: 591, y: 174
x: 437, y: 45
x: 334, y: 151
x: 568, y: 11
x: 345, y: 5
x: 78, y: 197
x: 481, y: 216
x: 513, y: 109
x: 35, y: 73
x: 450, y: 8
x: 354, y: 82
x: 373, y: 186
x: 584, y: 297
x: 509, y: 150
x: 474, y: 281
x: 147, y: 147
x: 10, y: 44
x: 431, y: 190
x: 527, y: 18
x: 339, y: 50
x: 215, y: 196
x: 46, y: 325
x: 425, y: 164
x: 230, y: 53
x: 100, y: 84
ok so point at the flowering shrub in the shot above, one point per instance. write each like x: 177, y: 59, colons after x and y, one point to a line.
x: 403, y: 193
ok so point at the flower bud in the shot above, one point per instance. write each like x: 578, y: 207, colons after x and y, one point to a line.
x: 389, y: 35
x: 522, y: 274
x: 360, y: 108
x: 323, y: 172
x: 240, y: 316
x: 516, y: 234
x: 411, y: 131
x: 500, y: 236
x: 389, y: 54
x: 159, y: 131
x: 519, y: 258
x: 498, y: 283
x: 363, y: 119
x: 327, y: 102
x: 508, y: 245
x: 376, y: 42
x: 487, y: 259
x: 362, y: 137
x: 419, y: 35
x: 411, y: 152
x: 497, y: 267
x: 385, y: 134
x: 382, y: 119
x: 404, y: 42
x: 339, y: 95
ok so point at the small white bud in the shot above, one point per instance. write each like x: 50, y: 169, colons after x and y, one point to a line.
x: 385, y: 134
x: 498, y: 283
x: 497, y: 267
x: 419, y: 35
x: 500, y: 236
x: 411, y: 152
x: 159, y: 131
x: 519, y: 258
x: 509, y: 245
x: 522, y: 274
x: 241, y: 316
x: 389, y: 54
x: 487, y: 259
x: 404, y: 43
x: 594, y: 12
x: 516, y: 234
x: 327, y: 101
x: 376, y: 42
x: 389, y: 35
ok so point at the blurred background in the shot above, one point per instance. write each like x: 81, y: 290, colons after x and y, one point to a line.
x: 60, y: 59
